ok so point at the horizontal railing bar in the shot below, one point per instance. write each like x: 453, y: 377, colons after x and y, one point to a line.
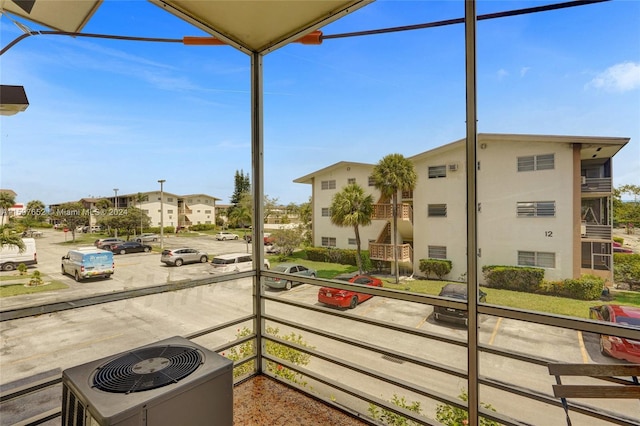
x: 218, y: 327
x: 346, y: 389
x: 560, y: 321
x: 373, y: 348
x: 41, y: 418
x: 378, y: 323
x: 29, y: 311
x: 32, y: 387
x: 371, y: 373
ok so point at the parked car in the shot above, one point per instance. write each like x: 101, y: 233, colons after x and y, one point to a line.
x: 144, y: 238
x: 93, y: 228
x: 235, y: 262
x: 614, y: 346
x: 347, y: 298
x: 289, y: 268
x: 454, y: 291
x: 267, y: 240
x: 130, y: 247
x: 224, y: 235
x: 181, y: 256
x: 88, y: 263
x: 617, y: 248
x: 107, y: 243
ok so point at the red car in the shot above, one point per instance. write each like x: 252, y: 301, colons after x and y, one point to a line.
x: 618, y: 347
x: 617, y: 248
x: 347, y: 298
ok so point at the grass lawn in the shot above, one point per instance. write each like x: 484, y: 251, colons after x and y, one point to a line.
x: 507, y: 298
x: 18, y: 289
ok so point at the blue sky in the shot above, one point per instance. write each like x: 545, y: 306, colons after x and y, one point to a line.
x: 107, y: 114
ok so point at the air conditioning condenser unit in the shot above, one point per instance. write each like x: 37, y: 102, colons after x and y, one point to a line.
x: 173, y: 382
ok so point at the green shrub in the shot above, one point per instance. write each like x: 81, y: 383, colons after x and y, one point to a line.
x: 587, y: 287
x: 22, y: 268
x: 389, y: 417
x: 517, y: 278
x: 618, y: 240
x: 36, y: 279
x: 203, y: 227
x: 294, y: 356
x: 453, y: 416
x: 439, y: 267
x: 626, y: 268
x: 341, y: 256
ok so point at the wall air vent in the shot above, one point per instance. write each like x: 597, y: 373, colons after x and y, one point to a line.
x: 168, y: 383
x: 453, y: 167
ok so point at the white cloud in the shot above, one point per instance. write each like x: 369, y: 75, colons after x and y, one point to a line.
x: 618, y: 78
x: 502, y: 73
x: 524, y: 70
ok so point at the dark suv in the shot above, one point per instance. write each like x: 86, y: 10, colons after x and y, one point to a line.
x: 454, y: 291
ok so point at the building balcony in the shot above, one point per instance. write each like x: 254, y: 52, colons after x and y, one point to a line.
x: 599, y: 232
x: 383, y: 211
x: 384, y: 252
x: 597, y: 185
x: 317, y: 365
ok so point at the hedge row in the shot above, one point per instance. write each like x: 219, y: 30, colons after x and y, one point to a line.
x: 531, y: 280
x: 341, y: 256
x: 517, y: 278
x: 587, y: 287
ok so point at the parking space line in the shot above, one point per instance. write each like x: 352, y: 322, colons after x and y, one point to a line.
x: 583, y: 349
x: 495, y: 331
x: 422, y: 321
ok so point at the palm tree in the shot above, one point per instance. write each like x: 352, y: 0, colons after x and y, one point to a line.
x: 6, y: 202
x: 392, y: 174
x: 352, y: 208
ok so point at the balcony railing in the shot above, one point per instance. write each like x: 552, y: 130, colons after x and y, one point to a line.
x: 602, y: 232
x: 385, y: 212
x: 384, y: 252
x: 597, y: 185
x: 358, y: 361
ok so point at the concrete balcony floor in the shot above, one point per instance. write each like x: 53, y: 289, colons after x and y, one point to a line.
x: 263, y: 401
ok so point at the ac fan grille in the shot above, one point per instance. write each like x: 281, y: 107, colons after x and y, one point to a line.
x: 173, y: 364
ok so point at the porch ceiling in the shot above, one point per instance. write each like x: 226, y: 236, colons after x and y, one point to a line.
x: 251, y: 25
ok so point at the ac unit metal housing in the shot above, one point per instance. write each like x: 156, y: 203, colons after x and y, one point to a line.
x: 453, y: 167
x: 172, y: 382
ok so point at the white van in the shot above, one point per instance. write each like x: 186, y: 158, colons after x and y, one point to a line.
x: 235, y: 262
x: 10, y: 256
x: 88, y: 262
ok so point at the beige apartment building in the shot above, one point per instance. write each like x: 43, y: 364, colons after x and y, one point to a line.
x: 179, y: 210
x: 543, y: 201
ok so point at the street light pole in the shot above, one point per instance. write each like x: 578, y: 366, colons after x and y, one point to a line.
x: 116, y: 203
x: 161, y: 182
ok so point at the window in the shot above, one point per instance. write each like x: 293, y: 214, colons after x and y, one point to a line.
x: 207, y: 212
x: 328, y: 242
x: 328, y: 184
x: 326, y: 212
x: 437, y: 252
x: 371, y: 181
x: 437, y: 172
x: 537, y: 258
x: 170, y: 211
x: 536, y: 162
x: 351, y: 241
x: 437, y: 210
x: 170, y: 199
x: 536, y: 209
x: 351, y: 180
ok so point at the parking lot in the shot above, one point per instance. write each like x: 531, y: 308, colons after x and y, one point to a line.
x: 68, y: 338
